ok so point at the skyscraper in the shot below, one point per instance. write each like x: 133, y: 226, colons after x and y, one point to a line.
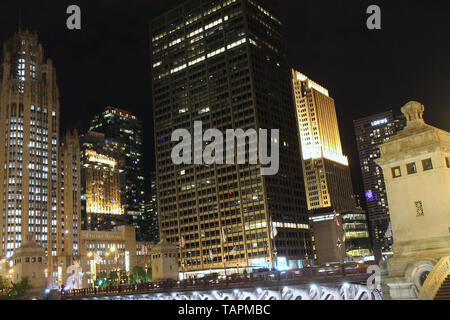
x: 371, y: 132
x: 69, y: 225
x: 29, y: 135
x: 325, y: 168
x: 102, y: 209
x: 326, y: 172
x: 124, y: 137
x: 223, y: 63
x: 150, y: 219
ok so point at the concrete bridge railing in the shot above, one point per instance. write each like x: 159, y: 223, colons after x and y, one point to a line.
x: 435, y: 279
x: 273, y: 287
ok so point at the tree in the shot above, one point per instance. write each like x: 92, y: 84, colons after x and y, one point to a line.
x: 123, y: 277
x: 14, y: 291
x: 19, y: 290
x: 102, y: 279
x: 113, y: 278
x: 5, y: 287
x: 138, y: 274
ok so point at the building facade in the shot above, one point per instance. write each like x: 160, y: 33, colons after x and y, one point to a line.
x: 370, y: 133
x: 29, y: 135
x: 223, y: 63
x: 329, y: 238
x: 151, y: 219
x: 124, y: 137
x: 328, y: 184
x: 325, y: 168
x: 30, y: 262
x: 356, y: 234
x: 416, y: 167
x: 70, y: 222
x: 164, y: 259
x: 101, y: 206
x: 103, y: 252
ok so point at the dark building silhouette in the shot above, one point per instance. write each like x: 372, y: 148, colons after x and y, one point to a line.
x: 371, y: 132
x: 124, y: 137
x: 223, y: 63
x: 150, y: 219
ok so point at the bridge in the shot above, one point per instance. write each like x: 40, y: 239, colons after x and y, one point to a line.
x: 437, y: 284
x: 301, y: 285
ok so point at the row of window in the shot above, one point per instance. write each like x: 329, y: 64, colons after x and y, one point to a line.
x: 411, y: 168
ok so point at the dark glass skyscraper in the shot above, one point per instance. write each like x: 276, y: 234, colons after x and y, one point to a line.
x: 150, y: 219
x: 371, y: 132
x: 223, y: 63
x: 124, y: 137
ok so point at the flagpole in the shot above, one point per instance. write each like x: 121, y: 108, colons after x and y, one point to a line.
x: 145, y: 263
x: 274, y: 247
x: 182, y: 258
x: 223, y: 240
x: 339, y: 243
x: 306, y: 249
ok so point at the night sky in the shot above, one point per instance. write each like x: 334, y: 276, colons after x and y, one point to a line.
x: 107, y: 62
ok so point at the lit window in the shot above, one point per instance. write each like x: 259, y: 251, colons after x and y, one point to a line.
x: 396, y: 172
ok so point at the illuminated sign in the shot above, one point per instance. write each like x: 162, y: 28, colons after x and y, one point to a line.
x: 100, y: 158
x: 379, y: 122
x: 282, y: 264
x: 370, y: 196
x: 260, y: 262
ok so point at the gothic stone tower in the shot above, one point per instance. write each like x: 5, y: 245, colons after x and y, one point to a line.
x: 29, y: 126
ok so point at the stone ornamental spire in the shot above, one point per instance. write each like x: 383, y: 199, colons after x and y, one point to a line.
x: 413, y: 112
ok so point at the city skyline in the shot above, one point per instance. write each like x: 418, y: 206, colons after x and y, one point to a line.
x: 111, y: 33
x: 113, y: 173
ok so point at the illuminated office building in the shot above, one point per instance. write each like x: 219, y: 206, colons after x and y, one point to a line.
x: 115, y: 250
x: 371, y: 132
x: 29, y: 137
x: 124, y: 137
x: 325, y: 169
x: 100, y: 180
x: 223, y: 63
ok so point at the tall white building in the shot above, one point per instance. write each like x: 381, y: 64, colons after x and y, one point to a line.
x: 31, y: 199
